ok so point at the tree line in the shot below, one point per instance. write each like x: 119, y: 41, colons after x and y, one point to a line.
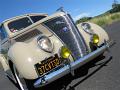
x: 115, y: 8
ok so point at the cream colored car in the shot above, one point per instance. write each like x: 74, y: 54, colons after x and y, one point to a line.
x: 37, y: 49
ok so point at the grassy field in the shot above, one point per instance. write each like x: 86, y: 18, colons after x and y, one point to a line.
x: 106, y: 19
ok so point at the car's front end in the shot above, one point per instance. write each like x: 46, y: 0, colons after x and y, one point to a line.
x: 81, y: 51
x: 52, y: 48
x: 69, y: 67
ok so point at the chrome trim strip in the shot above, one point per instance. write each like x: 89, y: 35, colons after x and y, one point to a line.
x: 71, y: 23
x: 9, y: 74
x: 67, y: 69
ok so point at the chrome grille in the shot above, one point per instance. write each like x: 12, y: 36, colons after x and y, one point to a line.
x: 69, y: 35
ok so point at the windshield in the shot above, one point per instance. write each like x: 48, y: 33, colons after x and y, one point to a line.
x: 19, y: 24
x: 36, y: 18
x: 22, y: 23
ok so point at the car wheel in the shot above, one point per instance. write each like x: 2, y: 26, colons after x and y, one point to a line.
x: 21, y: 82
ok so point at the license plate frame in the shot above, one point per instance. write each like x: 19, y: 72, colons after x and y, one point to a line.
x: 48, y: 64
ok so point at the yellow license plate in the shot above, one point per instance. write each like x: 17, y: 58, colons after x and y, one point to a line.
x: 48, y: 64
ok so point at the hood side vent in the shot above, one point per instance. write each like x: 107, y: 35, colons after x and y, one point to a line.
x: 28, y: 35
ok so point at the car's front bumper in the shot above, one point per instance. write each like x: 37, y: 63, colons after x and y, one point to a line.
x: 71, y: 67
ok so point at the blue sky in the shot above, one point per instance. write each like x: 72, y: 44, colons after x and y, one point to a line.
x: 77, y: 8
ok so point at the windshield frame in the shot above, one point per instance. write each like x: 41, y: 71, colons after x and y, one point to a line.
x: 29, y: 17
x: 19, y: 20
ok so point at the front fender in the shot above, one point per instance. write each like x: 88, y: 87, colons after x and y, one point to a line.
x: 100, y: 31
x: 96, y: 29
x: 23, y: 59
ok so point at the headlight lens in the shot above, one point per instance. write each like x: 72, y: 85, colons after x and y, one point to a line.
x: 65, y: 52
x: 87, y: 28
x: 45, y: 43
x: 95, y: 39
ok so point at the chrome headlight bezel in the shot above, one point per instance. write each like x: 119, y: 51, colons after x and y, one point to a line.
x: 45, y: 43
x: 87, y: 28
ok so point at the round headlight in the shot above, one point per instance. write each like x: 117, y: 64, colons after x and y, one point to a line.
x: 45, y: 43
x: 95, y: 39
x: 65, y: 52
x: 87, y: 28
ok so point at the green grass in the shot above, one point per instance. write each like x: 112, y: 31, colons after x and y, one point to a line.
x: 106, y: 19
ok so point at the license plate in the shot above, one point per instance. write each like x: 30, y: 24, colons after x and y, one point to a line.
x: 48, y: 64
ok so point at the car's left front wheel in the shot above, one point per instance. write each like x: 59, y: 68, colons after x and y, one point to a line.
x: 21, y: 82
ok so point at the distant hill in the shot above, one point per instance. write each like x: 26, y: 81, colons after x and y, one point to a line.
x: 115, y: 9
x: 84, y: 19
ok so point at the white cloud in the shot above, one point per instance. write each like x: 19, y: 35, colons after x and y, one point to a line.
x: 81, y: 16
x: 77, y: 10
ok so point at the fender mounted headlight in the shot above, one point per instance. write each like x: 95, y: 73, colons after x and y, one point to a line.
x: 65, y: 52
x: 45, y: 43
x: 87, y: 28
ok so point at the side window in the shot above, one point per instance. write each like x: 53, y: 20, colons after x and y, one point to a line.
x: 3, y: 34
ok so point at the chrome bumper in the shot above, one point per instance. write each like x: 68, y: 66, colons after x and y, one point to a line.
x: 71, y: 67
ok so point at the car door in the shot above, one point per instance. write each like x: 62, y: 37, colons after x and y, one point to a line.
x: 3, y: 41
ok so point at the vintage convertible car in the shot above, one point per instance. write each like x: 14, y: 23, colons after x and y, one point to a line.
x: 38, y: 49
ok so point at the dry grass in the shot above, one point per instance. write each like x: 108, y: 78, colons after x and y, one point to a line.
x: 106, y: 19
